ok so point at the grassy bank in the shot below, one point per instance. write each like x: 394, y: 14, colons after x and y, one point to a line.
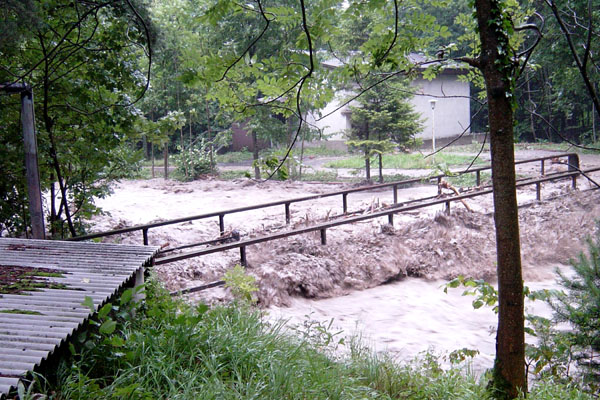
x: 174, y: 351
x: 405, y: 161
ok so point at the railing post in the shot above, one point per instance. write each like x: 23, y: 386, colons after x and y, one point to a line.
x: 145, y: 236
x: 287, y: 213
x: 448, y: 207
x: 395, y: 194
x: 243, y: 259
x: 573, y: 162
x: 391, y: 219
x: 478, y: 178
x: 345, y: 202
x: 439, y: 181
x: 221, y: 223
x: 323, y: 236
x: 543, y: 168
x: 538, y: 191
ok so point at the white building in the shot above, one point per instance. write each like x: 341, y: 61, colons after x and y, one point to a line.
x: 452, y: 113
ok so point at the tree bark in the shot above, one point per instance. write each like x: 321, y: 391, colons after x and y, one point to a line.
x: 509, y: 366
x: 380, y: 168
x: 255, y: 155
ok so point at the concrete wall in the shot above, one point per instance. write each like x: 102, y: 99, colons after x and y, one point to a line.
x: 452, y: 110
x: 452, y: 107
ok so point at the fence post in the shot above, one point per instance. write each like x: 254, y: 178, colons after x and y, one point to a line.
x: 439, y: 181
x: 145, y: 236
x: 538, y: 191
x: 323, y: 236
x: 345, y: 202
x: 391, y: 219
x: 478, y: 178
x: 395, y: 194
x: 543, y: 168
x: 448, y: 207
x: 243, y: 259
x: 221, y: 223
x: 287, y: 213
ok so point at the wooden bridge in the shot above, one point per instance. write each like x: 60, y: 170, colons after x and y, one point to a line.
x: 43, y: 284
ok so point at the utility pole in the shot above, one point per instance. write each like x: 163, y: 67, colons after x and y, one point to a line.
x: 36, y: 210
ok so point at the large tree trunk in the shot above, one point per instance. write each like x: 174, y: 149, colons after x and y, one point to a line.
x: 509, y: 367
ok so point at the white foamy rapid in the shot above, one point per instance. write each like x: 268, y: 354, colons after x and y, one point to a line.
x: 410, y: 317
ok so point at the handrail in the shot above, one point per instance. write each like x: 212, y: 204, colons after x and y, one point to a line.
x: 344, y: 193
x: 389, y: 212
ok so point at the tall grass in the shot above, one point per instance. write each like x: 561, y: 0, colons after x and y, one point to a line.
x: 174, y: 351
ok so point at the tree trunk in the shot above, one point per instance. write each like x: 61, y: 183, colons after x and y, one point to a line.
x: 367, y: 155
x: 255, y: 155
x: 166, y: 160
x: 509, y: 366
x: 380, y: 168
x: 532, y: 105
x: 152, y: 155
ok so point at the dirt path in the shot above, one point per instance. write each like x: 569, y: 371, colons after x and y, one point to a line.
x: 427, y: 244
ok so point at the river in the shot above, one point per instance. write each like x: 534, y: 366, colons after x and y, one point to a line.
x: 409, y: 317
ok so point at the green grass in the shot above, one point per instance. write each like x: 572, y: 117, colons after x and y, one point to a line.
x: 405, y: 161
x: 234, y: 157
x: 171, y: 350
x: 469, y: 180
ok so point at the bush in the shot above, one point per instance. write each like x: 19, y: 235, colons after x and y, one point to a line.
x: 194, y: 162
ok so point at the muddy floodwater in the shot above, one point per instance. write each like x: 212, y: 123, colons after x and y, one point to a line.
x: 409, y: 317
x: 379, y: 281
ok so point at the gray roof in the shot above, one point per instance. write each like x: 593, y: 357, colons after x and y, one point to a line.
x: 34, y: 323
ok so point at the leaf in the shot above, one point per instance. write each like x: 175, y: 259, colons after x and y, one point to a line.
x: 477, y: 304
x: 108, y: 327
x: 103, y: 312
x: 89, y: 303
x: 126, y: 296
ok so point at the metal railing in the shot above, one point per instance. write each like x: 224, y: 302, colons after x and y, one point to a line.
x: 572, y: 162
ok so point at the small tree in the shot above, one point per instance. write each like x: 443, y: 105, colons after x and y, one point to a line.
x: 580, y: 307
x: 382, y: 120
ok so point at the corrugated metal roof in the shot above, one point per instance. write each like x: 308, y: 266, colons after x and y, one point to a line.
x: 33, y: 323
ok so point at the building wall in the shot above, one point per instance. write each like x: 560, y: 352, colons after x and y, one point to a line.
x: 452, y: 109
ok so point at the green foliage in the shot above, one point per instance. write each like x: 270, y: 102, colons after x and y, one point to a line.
x: 171, y: 349
x: 580, y: 307
x: 194, y: 162
x: 81, y: 60
x: 242, y: 285
x: 270, y: 165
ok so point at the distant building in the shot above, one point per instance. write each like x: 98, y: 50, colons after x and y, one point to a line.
x: 452, y: 109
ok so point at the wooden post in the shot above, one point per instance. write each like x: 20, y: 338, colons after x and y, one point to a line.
x: 323, y: 236
x: 395, y: 194
x: 287, y: 214
x: 221, y: 224
x: 391, y: 219
x: 345, y: 202
x: 31, y: 165
x: 243, y: 259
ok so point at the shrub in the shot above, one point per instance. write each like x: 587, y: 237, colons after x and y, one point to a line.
x: 194, y: 162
